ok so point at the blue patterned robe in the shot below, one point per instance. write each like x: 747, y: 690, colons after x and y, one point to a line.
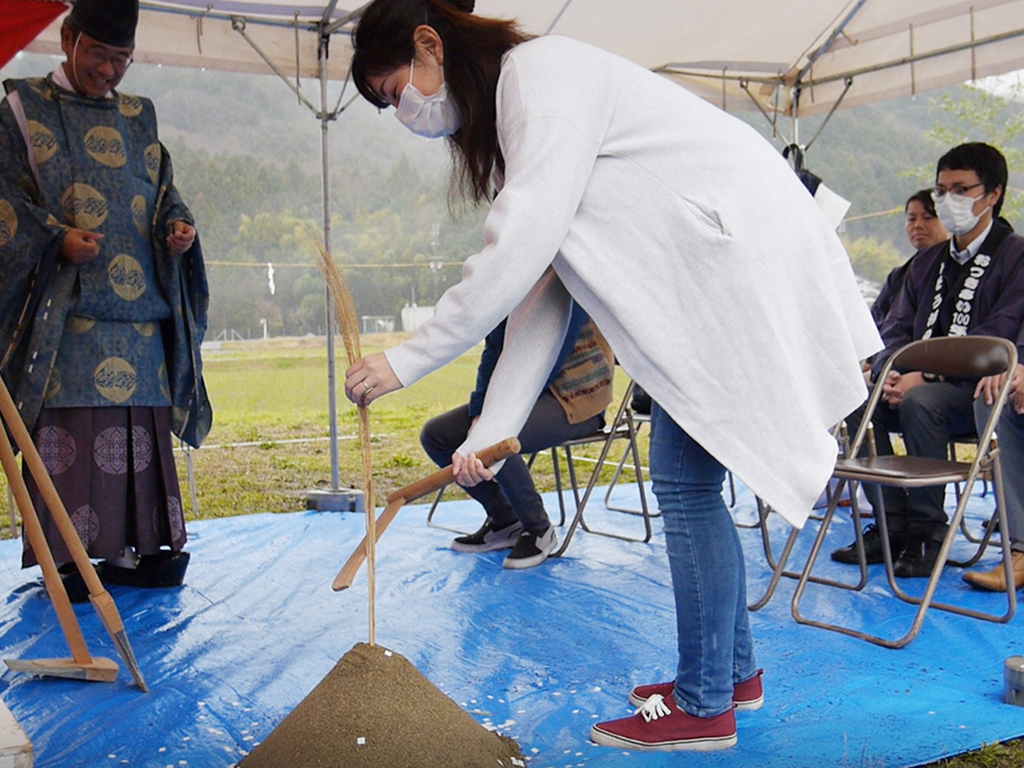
x: 126, y: 328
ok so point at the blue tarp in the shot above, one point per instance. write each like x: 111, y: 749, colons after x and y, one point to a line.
x: 540, y: 654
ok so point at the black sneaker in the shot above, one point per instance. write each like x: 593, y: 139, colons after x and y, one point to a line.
x: 488, y: 538
x: 918, y: 559
x: 872, y: 548
x: 532, y: 549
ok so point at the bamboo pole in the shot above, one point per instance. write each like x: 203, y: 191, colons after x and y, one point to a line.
x: 348, y: 320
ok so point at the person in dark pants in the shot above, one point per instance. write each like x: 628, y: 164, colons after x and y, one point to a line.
x: 572, y: 405
x: 971, y: 284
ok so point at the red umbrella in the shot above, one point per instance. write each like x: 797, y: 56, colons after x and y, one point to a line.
x: 22, y: 20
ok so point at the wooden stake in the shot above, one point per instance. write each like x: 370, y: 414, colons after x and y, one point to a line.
x: 346, y: 311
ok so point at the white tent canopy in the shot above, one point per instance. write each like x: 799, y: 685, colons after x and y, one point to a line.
x: 729, y: 51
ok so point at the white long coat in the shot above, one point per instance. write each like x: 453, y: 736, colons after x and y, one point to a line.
x: 692, y: 244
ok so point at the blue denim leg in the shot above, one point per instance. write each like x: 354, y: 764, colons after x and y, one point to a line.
x: 708, y: 576
x: 1010, y: 430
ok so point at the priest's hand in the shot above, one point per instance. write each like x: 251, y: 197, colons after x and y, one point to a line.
x: 181, y: 238
x: 80, y: 246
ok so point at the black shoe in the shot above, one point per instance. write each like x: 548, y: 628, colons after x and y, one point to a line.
x: 73, y: 582
x: 872, y: 548
x: 489, y: 538
x: 163, y: 569
x: 918, y: 559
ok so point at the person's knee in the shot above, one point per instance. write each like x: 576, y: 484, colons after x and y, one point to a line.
x: 919, y: 408
x: 434, y: 440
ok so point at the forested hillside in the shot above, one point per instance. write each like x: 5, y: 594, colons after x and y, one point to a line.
x: 247, y: 160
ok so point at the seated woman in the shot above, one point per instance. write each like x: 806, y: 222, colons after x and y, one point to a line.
x: 924, y: 230
x: 571, y: 405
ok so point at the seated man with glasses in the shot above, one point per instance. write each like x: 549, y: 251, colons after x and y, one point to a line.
x: 102, y: 302
x: 972, y: 283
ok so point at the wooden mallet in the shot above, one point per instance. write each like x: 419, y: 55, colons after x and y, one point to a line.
x: 98, y: 595
x: 411, y: 492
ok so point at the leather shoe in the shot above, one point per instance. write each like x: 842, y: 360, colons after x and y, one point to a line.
x: 918, y: 559
x: 872, y: 548
x: 163, y: 569
x: 995, y: 580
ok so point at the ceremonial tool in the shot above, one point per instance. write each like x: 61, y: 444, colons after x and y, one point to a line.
x: 347, y: 318
x: 411, y: 492
x: 81, y: 665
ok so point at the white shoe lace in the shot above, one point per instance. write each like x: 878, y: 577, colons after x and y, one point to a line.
x: 654, y: 708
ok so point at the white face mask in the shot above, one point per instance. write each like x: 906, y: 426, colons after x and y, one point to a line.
x: 957, y: 213
x: 428, y: 116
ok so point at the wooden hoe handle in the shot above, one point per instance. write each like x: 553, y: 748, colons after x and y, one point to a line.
x: 411, y: 492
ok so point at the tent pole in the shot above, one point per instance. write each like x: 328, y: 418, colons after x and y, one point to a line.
x: 325, y: 174
x: 333, y: 498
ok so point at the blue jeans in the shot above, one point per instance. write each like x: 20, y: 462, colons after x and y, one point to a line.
x: 708, y: 575
x: 1011, y: 460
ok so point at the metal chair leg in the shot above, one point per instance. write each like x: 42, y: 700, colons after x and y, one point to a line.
x: 927, y: 600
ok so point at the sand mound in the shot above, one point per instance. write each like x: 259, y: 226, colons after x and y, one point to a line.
x: 376, y: 709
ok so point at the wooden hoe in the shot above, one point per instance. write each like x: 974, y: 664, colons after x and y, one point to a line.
x: 411, y: 492
x: 81, y: 665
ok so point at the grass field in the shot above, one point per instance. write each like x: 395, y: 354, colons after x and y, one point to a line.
x: 269, y: 444
x: 270, y: 439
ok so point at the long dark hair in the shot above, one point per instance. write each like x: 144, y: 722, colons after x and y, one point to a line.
x: 473, y: 47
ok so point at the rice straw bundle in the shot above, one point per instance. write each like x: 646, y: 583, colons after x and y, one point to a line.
x: 348, y: 320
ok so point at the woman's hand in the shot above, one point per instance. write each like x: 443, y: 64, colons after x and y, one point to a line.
x: 80, y: 246
x: 181, y: 238
x: 469, y: 470
x: 370, y: 378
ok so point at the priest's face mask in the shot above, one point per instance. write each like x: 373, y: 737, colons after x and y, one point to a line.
x: 95, y: 69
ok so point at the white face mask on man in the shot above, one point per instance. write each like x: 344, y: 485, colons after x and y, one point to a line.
x: 428, y: 116
x: 956, y: 212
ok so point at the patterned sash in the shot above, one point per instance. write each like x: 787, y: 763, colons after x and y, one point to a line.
x: 964, y: 300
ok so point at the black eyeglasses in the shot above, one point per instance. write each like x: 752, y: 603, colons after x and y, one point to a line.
x: 958, y: 191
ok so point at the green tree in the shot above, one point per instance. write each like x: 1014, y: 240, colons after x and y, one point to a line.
x: 981, y: 114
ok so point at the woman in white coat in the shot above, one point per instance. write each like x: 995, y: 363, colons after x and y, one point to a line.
x: 715, y: 278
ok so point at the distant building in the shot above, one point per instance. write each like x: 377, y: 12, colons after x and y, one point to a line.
x: 414, y: 316
x: 377, y: 323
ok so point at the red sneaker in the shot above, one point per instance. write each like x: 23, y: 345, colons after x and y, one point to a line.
x: 747, y: 695
x: 660, y: 726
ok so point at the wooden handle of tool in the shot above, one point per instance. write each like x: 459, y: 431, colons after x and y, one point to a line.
x: 413, y: 491
x: 443, y: 477
x: 36, y: 537
x: 58, y: 512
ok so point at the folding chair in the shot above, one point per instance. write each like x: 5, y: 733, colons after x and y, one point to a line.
x: 957, y: 357
x: 622, y: 427
x: 639, y: 419
x: 778, y: 567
